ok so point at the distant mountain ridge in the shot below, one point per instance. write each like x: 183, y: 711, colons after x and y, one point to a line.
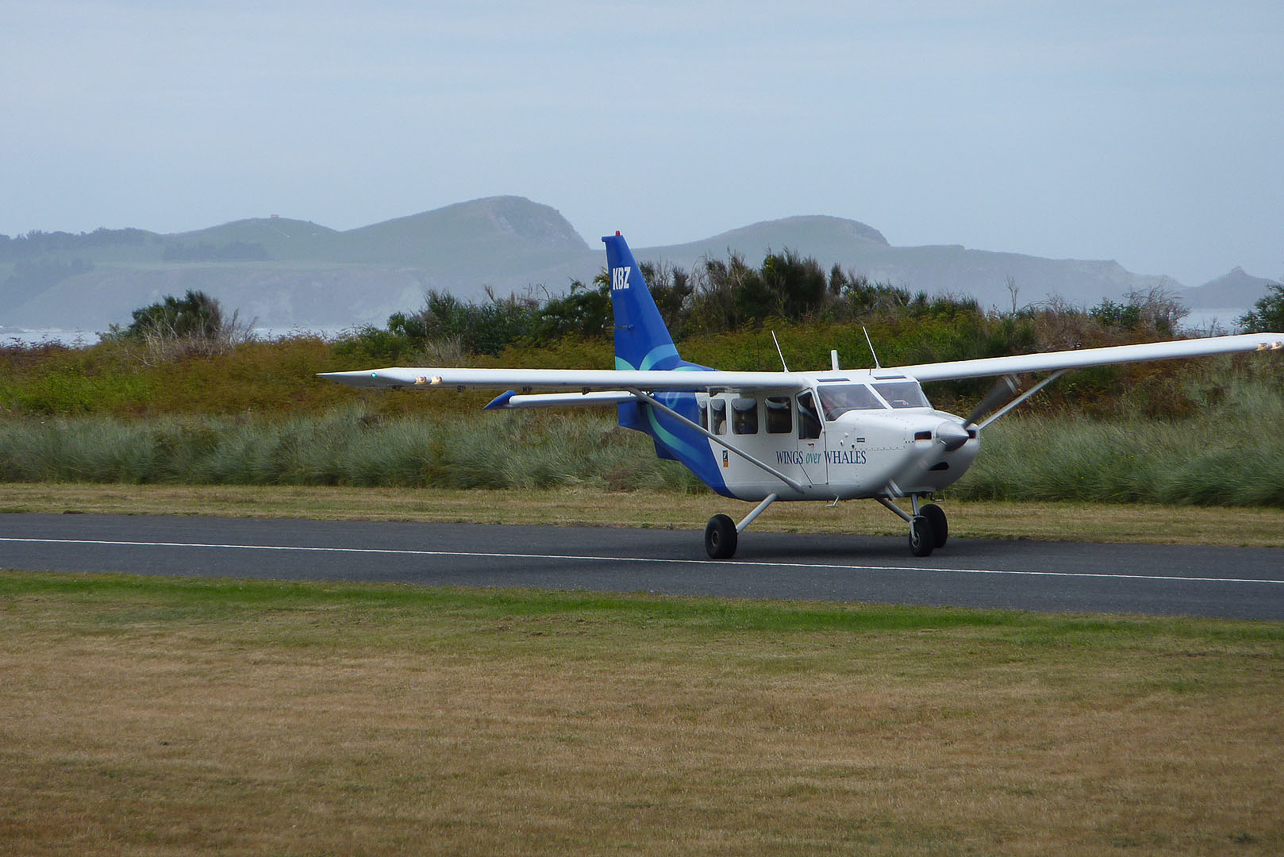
x: 1235, y: 289
x: 285, y: 273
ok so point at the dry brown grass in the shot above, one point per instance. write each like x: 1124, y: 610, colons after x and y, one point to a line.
x: 1135, y: 523
x: 164, y: 717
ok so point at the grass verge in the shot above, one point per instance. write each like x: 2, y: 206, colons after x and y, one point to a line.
x: 165, y: 716
x: 1095, y: 522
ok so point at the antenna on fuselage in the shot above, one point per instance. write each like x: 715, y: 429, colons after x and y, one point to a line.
x: 778, y: 351
x: 877, y: 365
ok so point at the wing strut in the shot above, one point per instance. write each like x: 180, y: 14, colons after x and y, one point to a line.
x: 655, y: 403
x: 1021, y: 398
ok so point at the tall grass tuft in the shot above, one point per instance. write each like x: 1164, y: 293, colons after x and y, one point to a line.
x: 1226, y: 451
x: 345, y: 446
x: 1228, y: 454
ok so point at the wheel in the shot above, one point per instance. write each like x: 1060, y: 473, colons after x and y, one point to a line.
x: 921, y: 537
x: 940, y: 528
x: 720, y: 537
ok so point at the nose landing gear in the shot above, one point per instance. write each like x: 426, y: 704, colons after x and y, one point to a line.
x: 929, y: 528
x: 921, y: 539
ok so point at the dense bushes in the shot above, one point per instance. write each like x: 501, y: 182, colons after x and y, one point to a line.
x: 719, y: 297
x: 1267, y: 314
x: 193, y: 325
x: 123, y: 379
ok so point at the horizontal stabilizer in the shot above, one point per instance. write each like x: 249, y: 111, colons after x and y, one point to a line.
x: 513, y: 401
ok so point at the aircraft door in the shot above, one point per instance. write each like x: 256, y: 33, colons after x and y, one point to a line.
x: 811, y: 443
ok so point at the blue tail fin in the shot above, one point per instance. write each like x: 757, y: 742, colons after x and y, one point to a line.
x: 641, y: 339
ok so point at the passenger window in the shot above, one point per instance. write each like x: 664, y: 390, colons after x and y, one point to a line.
x: 744, y: 416
x: 717, y: 416
x: 779, y: 417
x: 808, y: 419
x: 703, y: 405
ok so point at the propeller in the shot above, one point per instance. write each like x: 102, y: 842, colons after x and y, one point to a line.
x: 953, y: 435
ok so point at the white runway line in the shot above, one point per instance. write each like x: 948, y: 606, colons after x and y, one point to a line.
x: 640, y: 559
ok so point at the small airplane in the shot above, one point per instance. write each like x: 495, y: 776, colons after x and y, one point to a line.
x: 841, y: 434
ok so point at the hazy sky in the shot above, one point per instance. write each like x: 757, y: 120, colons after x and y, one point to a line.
x: 1147, y: 132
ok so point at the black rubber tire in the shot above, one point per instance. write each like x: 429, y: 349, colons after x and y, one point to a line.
x: 940, y: 527
x: 720, y: 537
x: 921, y: 540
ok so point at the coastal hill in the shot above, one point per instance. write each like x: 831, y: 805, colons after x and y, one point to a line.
x: 284, y: 273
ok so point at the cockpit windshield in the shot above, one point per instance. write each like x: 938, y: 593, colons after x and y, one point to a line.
x: 838, y: 399
x: 902, y: 394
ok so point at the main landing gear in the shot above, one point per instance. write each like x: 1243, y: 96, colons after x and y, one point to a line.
x: 720, y: 537
x: 929, y: 528
x: 722, y: 533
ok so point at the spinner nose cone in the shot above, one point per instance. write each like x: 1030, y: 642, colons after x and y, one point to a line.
x: 952, y: 435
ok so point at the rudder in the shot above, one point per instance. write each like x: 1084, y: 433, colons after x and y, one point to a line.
x: 642, y: 340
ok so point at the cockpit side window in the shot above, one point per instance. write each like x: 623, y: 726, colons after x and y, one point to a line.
x: 902, y: 394
x: 838, y: 399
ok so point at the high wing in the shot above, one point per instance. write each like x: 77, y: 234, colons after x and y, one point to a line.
x: 610, y: 386
x: 1052, y: 361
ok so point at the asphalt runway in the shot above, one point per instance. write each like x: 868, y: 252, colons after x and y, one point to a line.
x: 1241, y: 583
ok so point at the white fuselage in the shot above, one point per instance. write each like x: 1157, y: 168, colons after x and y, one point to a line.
x: 855, y: 445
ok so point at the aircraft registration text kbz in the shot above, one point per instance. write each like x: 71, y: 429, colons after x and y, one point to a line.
x: 619, y: 278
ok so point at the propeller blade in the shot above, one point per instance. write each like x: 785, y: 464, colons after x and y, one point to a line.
x: 999, y: 393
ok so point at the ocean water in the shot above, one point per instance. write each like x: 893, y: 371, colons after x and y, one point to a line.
x: 27, y: 336
x: 81, y: 338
